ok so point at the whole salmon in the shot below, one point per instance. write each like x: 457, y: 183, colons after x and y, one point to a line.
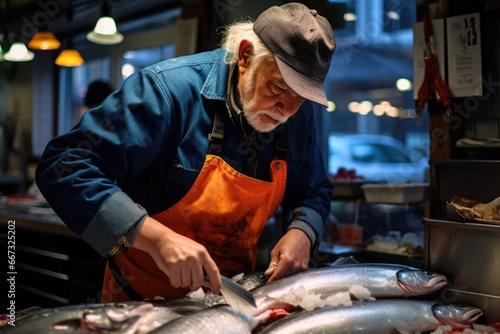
x: 382, y: 281
x: 218, y: 319
x: 377, y: 317
x: 125, y: 317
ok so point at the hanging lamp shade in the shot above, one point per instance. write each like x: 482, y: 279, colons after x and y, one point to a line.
x: 105, y: 32
x: 44, y: 40
x: 69, y: 58
x: 18, y: 52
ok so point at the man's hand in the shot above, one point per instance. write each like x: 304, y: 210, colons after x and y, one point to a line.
x: 183, y: 260
x: 289, y: 256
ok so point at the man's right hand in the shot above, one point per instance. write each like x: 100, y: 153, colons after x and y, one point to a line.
x: 183, y: 260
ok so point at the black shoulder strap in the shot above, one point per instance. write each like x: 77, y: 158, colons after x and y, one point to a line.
x: 122, y: 281
x: 216, y: 137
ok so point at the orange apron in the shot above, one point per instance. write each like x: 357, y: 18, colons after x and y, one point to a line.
x: 225, y: 210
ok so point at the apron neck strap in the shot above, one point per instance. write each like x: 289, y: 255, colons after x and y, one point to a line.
x: 216, y: 138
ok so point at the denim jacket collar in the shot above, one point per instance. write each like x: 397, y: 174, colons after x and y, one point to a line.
x: 215, y: 86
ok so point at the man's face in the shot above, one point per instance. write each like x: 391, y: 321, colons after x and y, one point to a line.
x: 266, y: 100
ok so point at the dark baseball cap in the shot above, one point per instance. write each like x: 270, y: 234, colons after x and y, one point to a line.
x: 303, y: 44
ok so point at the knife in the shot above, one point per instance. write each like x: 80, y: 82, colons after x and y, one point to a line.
x: 237, y: 296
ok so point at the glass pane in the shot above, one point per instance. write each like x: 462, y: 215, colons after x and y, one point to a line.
x: 73, y: 87
x: 135, y: 60
x: 370, y: 86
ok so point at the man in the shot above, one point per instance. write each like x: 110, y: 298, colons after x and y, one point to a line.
x: 97, y: 91
x: 174, y: 176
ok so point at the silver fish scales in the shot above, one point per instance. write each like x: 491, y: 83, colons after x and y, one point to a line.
x: 218, y: 319
x: 376, y: 317
x: 382, y: 280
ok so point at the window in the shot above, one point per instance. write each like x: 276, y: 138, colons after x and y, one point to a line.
x: 112, y: 65
x: 370, y: 87
x: 132, y: 61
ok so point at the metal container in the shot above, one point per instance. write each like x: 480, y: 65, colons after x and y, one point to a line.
x: 469, y: 255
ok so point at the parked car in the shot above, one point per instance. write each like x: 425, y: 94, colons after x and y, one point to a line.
x: 377, y: 158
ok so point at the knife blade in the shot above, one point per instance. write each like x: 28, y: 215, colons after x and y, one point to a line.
x: 237, y: 296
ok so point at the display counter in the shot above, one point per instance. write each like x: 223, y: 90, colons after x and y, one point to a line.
x: 52, y: 266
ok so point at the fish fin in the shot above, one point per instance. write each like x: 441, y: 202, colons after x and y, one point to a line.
x: 345, y: 260
x: 238, y: 277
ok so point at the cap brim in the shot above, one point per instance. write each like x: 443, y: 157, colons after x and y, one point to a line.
x: 302, y: 85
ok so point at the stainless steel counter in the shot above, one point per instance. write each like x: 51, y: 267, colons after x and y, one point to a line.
x: 469, y: 255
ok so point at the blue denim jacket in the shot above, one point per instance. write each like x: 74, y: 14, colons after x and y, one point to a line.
x: 140, y: 151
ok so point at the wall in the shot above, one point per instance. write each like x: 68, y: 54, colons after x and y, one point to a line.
x: 16, y: 99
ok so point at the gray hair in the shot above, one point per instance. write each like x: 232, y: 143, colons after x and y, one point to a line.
x: 232, y: 36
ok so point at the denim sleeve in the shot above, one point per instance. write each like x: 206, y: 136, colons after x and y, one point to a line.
x: 114, y: 219
x: 81, y: 172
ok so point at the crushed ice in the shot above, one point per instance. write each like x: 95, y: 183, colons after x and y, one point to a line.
x: 310, y: 300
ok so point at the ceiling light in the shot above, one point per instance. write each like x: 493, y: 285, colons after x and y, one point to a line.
x: 393, y: 15
x: 69, y: 58
x: 350, y: 17
x: 105, y: 31
x: 404, y: 85
x: 44, y: 40
x: 19, y: 52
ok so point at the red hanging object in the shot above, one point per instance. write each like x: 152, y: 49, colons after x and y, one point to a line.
x: 432, y: 78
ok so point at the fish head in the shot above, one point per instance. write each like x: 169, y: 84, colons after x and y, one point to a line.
x: 420, y: 282
x: 252, y: 280
x: 116, y: 316
x: 456, y: 314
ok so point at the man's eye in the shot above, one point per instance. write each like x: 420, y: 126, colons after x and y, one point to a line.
x: 277, y: 88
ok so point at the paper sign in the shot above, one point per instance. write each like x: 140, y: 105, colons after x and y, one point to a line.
x: 437, y: 47
x: 464, y: 55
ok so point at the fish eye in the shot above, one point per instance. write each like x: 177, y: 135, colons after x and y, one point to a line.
x: 428, y: 272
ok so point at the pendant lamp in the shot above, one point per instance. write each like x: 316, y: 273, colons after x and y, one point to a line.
x: 105, y: 31
x: 69, y: 57
x: 18, y: 52
x: 44, y: 40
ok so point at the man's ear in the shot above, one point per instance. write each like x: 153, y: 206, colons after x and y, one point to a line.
x: 244, y: 52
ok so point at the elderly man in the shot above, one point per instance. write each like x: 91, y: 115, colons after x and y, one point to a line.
x: 174, y: 175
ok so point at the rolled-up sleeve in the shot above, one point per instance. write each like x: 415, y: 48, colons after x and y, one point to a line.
x: 114, y: 219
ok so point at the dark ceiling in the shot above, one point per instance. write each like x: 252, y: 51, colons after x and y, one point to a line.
x: 20, y: 19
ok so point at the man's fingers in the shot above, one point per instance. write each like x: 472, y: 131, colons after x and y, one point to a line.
x: 175, y: 278
x: 213, y: 276
x: 270, y: 270
x: 197, y: 278
x: 279, y: 271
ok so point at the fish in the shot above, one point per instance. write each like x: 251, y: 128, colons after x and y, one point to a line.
x: 218, y: 319
x: 252, y: 280
x: 377, y: 317
x: 380, y: 279
x: 124, y: 317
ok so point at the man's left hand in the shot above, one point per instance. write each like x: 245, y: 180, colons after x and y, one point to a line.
x: 289, y: 256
